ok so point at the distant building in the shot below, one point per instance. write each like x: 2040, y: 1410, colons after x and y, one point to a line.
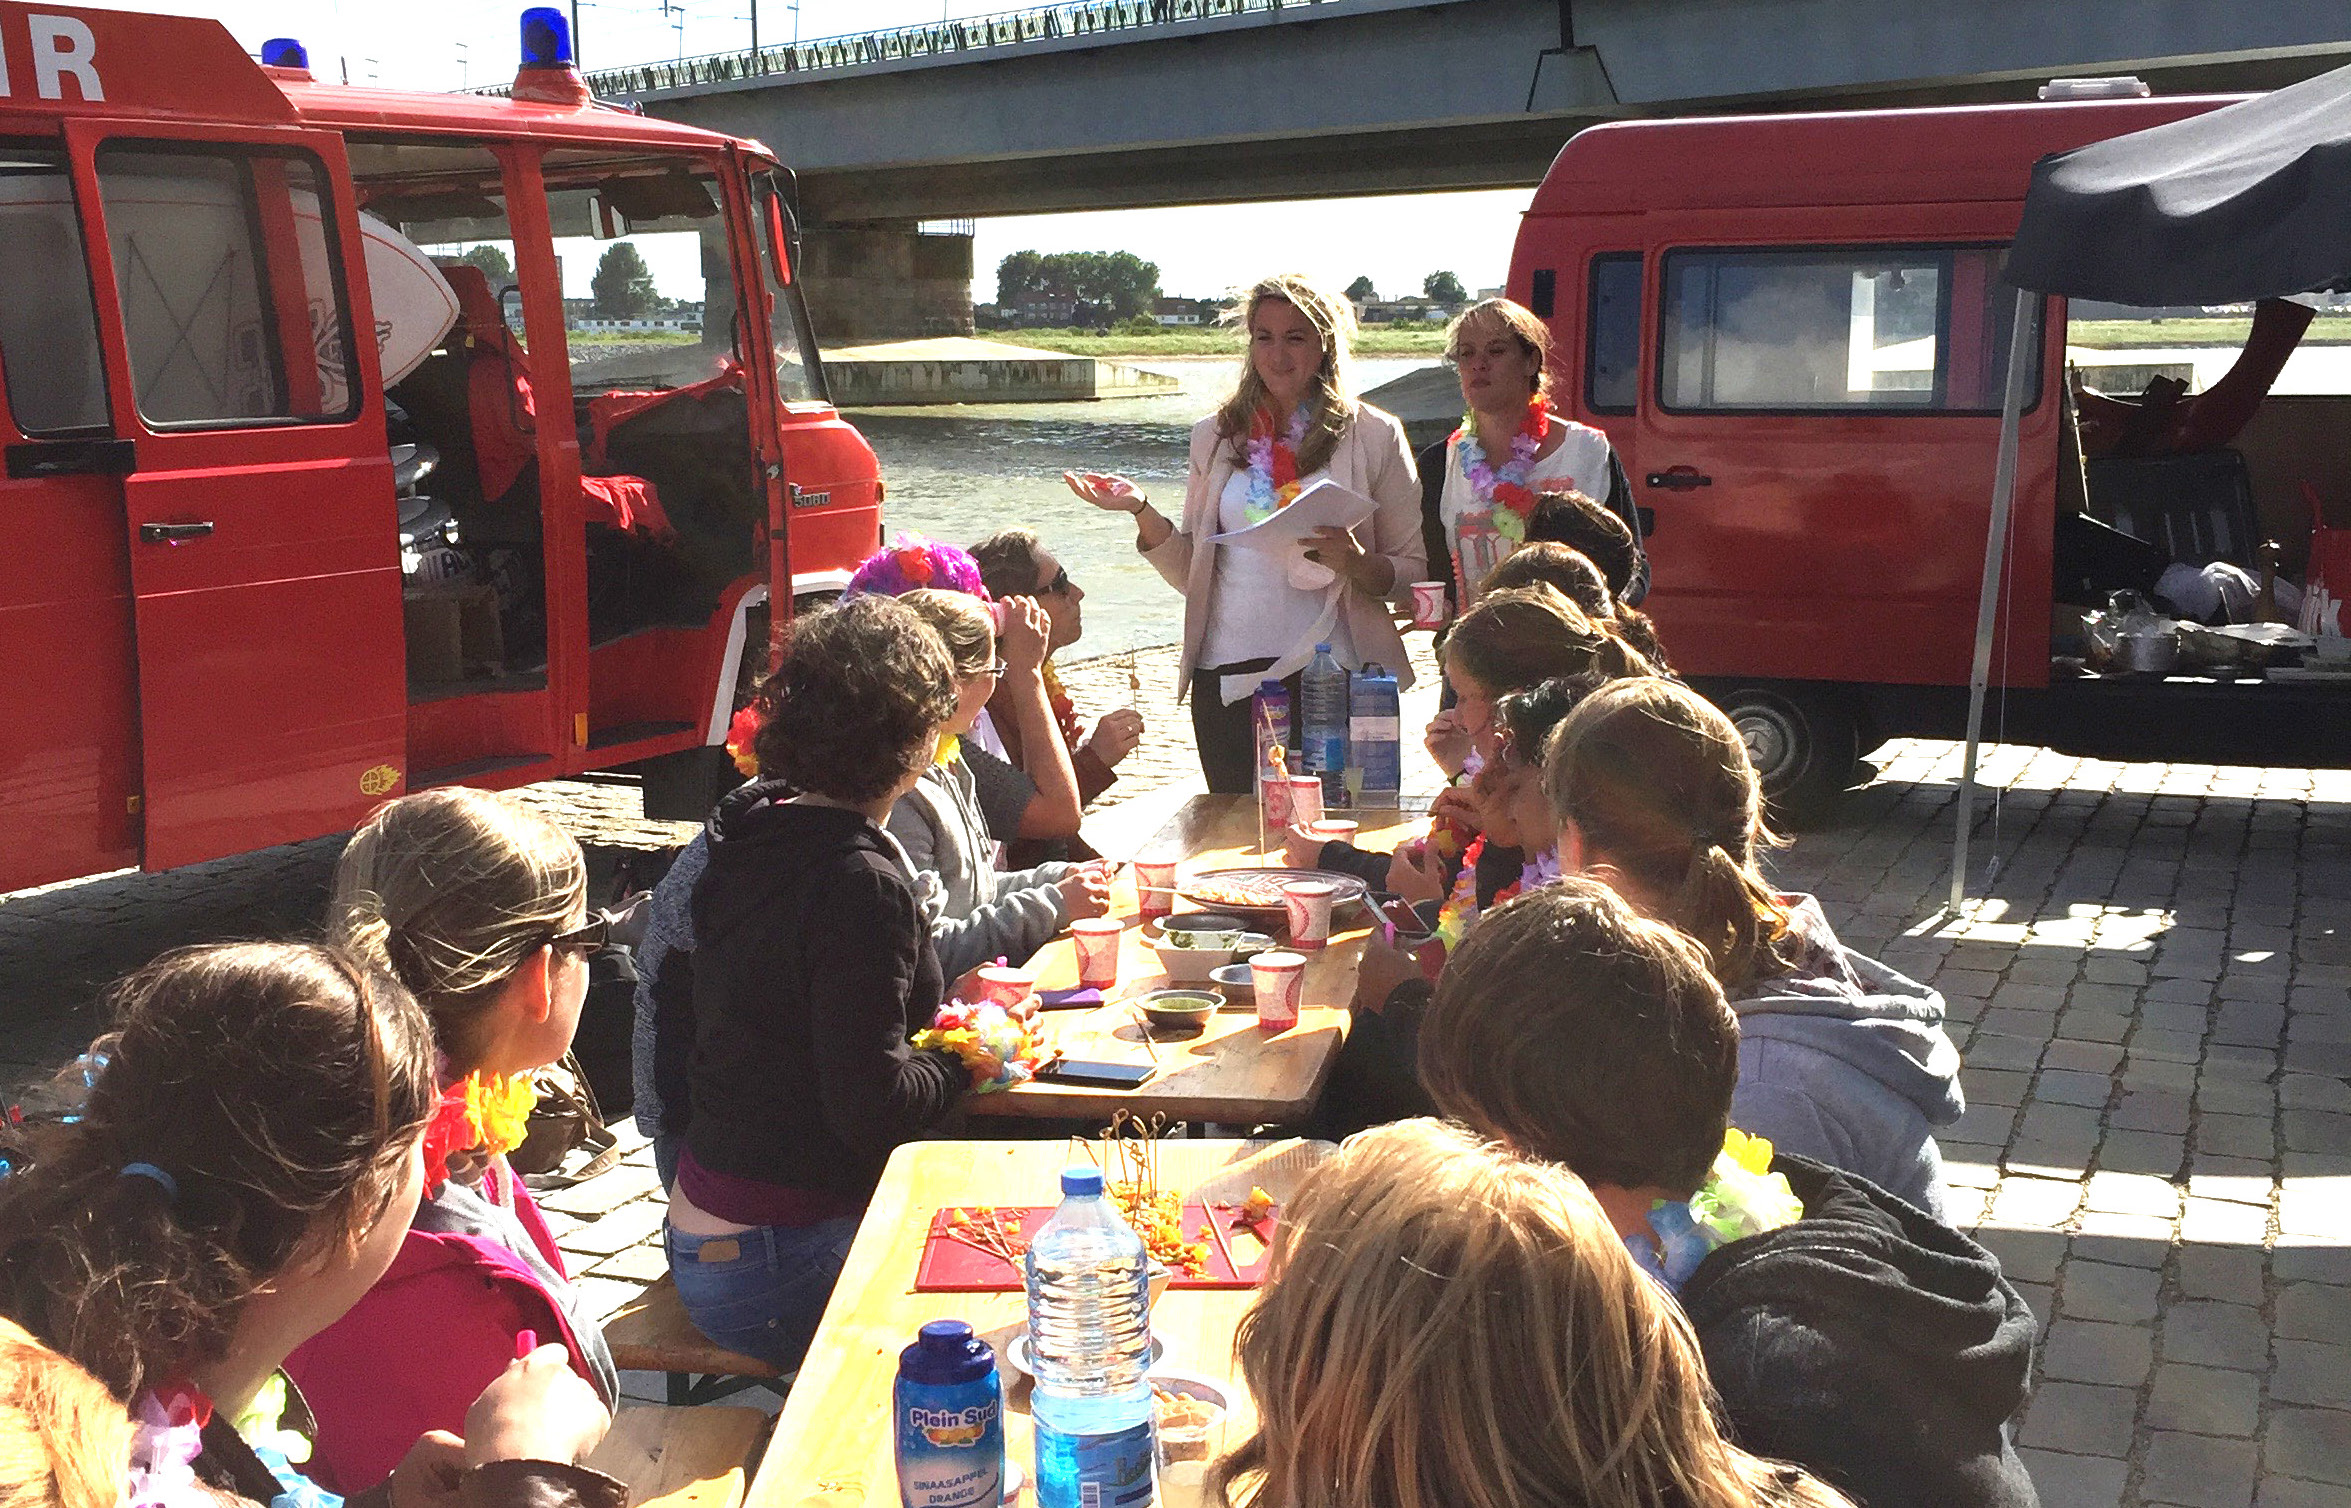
x: 1388, y: 311
x: 1038, y: 311
x: 1186, y: 311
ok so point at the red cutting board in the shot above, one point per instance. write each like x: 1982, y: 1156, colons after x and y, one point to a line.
x: 949, y: 1266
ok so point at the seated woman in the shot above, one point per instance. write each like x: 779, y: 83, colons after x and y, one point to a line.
x: 978, y: 911
x: 1445, y: 1323
x: 1841, y: 1059
x: 1570, y: 572
x: 479, y: 906
x: 1510, y: 641
x: 243, y: 1170
x: 812, y: 967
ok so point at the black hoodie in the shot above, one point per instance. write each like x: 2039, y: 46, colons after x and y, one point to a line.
x: 1872, y: 1344
x: 812, y: 966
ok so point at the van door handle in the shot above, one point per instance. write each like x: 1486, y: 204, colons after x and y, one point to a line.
x: 1680, y: 479
x: 173, y: 534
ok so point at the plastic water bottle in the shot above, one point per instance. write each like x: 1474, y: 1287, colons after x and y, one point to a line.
x: 1325, y: 695
x: 1090, y: 1343
x: 1375, y: 742
x: 1269, y: 714
x: 949, y: 1404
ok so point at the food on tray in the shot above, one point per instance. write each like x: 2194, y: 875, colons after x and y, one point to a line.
x: 996, y: 1232
x: 1225, y: 893
x: 1130, y: 1166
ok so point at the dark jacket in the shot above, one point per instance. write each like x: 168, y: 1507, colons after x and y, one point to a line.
x: 1871, y: 1344
x: 811, y: 968
x: 1619, y: 501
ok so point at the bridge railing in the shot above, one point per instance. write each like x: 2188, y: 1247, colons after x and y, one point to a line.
x: 1074, y: 18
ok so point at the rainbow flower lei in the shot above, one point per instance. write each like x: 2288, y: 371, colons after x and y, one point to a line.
x: 1273, y: 465
x: 1504, y: 491
x: 1461, y: 907
x: 1741, y: 1197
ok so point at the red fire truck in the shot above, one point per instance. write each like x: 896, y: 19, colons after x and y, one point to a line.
x: 1793, y: 328
x: 320, y: 488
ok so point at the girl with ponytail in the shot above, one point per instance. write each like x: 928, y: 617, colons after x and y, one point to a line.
x: 1841, y: 1059
x: 245, y: 1165
x: 479, y: 907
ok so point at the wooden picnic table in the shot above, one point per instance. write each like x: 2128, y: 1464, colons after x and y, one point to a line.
x: 832, y: 1443
x: 1231, y: 1073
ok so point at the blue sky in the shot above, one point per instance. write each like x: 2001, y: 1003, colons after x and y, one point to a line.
x: 445, y: 44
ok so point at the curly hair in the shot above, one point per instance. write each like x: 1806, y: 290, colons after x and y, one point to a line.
x: 279, y: 1087
x: 857, y: 703
x: 1576, y: 1030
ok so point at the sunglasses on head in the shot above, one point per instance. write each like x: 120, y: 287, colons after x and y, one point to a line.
x: 588, y: 939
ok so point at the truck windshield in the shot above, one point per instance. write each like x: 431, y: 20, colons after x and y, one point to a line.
x: 648, y: 277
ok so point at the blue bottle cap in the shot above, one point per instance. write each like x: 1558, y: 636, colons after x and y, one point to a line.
x: 946, y: 1353
x: 1266, y: 687
x: 1086, y: 1182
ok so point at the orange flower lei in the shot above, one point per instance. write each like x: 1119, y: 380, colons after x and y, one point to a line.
x: 485, y: 1112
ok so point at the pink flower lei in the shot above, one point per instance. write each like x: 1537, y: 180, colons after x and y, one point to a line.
x: 1505, y: 492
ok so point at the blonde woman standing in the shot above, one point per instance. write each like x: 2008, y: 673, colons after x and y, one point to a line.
x: 1250, y: 615
x: 1447, y: 1325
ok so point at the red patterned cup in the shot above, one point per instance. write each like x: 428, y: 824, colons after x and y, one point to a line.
x: 1279, y: 982
x: 1155, y: 887
x: 1274, y: 793
x: 1428, y: 604
x: 1097, y: 938
x: 1006, y: 987
x: 1335, y: 830
x: 1308, y: 903
x: 1305, y: 798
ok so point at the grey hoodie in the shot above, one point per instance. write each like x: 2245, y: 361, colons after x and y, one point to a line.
x: 976, y: 912
x: 1846, y: 1062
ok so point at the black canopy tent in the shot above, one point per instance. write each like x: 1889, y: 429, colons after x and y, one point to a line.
x: 2249, y: 201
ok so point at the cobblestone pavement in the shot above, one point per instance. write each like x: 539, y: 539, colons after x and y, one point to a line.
x: 2153, y: 991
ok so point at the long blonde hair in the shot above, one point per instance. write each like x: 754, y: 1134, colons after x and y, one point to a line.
x: 450, y: 891
x: 1520, y: 323
x: 65, y: 1441
x: 1447, y: 1325
x: 1330, y: 404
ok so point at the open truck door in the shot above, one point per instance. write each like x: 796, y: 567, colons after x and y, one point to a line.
x: 257, y: 504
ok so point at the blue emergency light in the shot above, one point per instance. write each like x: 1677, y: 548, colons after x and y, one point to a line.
x: 284, y: 52
x: 546, y: 38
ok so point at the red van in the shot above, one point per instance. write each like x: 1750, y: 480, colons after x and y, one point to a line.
x: 1794, y: 330
x: 319, y: 488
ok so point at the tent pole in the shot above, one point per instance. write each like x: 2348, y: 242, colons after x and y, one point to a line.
x: 2023, y: 363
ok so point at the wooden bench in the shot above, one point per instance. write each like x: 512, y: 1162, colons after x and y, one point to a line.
x: 681, y: 1457
x: 650, y: 1333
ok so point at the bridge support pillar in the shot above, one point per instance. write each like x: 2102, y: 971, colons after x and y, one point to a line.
x: 886, y: 280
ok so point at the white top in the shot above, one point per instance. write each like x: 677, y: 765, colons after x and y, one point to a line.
x: 1580, y: 463
x: 1255, y: 613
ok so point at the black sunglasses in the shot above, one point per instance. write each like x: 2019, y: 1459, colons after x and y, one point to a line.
x: 1058, y: 586
x: 588, y: 939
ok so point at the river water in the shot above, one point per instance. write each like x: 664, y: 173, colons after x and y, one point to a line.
x: 960, y: 472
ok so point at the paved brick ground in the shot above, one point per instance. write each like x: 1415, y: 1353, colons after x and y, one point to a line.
x: 2153, y: 992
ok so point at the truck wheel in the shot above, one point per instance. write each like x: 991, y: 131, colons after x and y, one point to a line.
x: 1804, y: 749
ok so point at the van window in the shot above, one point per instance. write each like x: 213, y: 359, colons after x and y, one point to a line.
x: 48, y: 319
x: 1612, y: 348
x: 227, y: 277
x: 1900, y: 329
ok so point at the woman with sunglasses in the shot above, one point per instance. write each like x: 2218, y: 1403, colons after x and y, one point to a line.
x: 479, y: 906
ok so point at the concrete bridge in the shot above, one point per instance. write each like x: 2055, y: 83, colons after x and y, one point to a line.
x: 1105, y: 104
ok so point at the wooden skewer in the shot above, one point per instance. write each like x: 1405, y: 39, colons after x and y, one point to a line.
x: 1216, y: 1230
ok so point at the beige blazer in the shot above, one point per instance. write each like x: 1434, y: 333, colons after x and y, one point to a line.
x: 1373, y: 459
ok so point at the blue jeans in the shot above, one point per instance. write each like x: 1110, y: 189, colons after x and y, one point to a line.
x: 761, y: 1292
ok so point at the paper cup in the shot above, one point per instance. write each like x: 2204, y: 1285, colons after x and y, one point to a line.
x: 1308, y: 903
x: 1305, y: 798
x: 1428, y: 604
x: 1278, y: 980
x: 1097, y: 939
x: 1155, y: 887
x: 1335, y: 830
x: 1005, y: 986
x: 1273, y: 793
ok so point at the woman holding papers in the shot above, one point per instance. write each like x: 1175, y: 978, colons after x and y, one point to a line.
x: 1261, y: 591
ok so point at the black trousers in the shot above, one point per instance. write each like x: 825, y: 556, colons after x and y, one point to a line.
x: 1226, y: 737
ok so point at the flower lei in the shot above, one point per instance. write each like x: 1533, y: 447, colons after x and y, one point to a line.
x: 1273, y: 465
x: 1539, y: 871
x: 1741, y: 1197
x: 1461, y: 907
x: 484, y: 1112
x: 1508, y: 498
x: 1065, y: 711
x: 167, y: 1435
